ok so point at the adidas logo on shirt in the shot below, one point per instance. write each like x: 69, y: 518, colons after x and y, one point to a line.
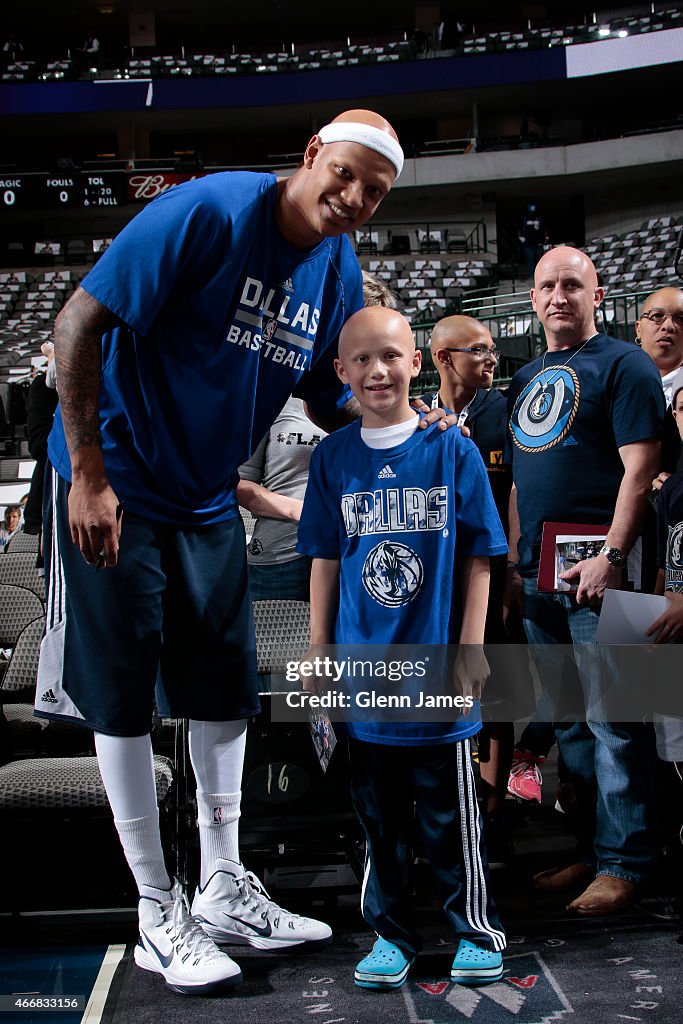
x: 386, y: 473
x: 288, y: 285
x: 49, y: 697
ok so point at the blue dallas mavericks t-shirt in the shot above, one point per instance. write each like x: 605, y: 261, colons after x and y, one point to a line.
x: 396, y: 518
x: 567, y: 422
x: 221, y: 318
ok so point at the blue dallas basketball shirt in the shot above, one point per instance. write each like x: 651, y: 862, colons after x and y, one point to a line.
x: 397, y: 518
x: 221, y: 317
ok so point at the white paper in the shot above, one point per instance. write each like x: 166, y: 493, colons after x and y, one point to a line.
x: 626, y: 617
x: 25, y: 470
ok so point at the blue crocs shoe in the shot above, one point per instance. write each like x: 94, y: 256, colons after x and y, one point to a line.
x: 386, y: 967
x: 476, y: 965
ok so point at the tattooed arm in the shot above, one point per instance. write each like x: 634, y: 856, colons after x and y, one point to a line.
x: 78, y: 354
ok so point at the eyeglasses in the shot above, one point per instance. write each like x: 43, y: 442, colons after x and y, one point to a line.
x: 478, y: 351
x: 658, y: 316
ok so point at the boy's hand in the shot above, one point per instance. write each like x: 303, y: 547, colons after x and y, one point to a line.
x: 433, y: 415
x: 669, y: 625
x: 470, y: 672
x: 310, y: 680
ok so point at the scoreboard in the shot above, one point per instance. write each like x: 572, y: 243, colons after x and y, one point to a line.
x: 77, y: 189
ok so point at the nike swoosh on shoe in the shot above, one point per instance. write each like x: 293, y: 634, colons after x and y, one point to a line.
x: 265, y: 932
x: 163, y: 960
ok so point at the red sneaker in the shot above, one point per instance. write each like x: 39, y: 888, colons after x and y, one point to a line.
x: 525, y: 775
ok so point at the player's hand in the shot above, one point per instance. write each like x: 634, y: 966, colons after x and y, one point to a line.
x: 659, y: 480
x: 95, y: 522
x: 669, y: 625
x: 470, y: 672
x: 445, y: 420
x: 595, y: 576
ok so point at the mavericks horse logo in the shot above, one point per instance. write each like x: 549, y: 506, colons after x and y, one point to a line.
x: 545, y: 410
x: 392, y: 574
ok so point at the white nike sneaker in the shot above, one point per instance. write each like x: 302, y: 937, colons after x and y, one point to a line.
x: 174, y: 945
x: 234, y: 909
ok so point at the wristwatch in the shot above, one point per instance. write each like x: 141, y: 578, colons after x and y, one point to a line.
x: 615, y: 556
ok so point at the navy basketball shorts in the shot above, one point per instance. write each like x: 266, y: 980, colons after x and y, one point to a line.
x: 173, y: 617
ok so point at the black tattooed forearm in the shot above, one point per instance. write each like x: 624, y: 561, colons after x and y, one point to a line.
x: 78, y: 355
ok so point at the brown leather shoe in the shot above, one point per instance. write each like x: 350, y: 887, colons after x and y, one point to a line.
x: 559, y: 879
x: 605, y: 895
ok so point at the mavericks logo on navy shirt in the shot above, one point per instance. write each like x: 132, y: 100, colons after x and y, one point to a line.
x: 545, y: 410
x: 392, y: 574
x: 674, y: 560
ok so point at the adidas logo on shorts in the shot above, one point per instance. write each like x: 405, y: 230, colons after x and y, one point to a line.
x: 49, y: 697
x: 386, y: 473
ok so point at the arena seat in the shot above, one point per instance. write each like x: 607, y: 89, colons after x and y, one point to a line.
x: 430, y: 240
x: 22, y: 541
x: 66, y: 796
x: 18, y: 607
x: 19, y: 681
x: 282, y: 633
x: 19, y: 569
x: 65, y: 783
x: 367, y: 242
x: 77, y: 251
x: 48, y: 253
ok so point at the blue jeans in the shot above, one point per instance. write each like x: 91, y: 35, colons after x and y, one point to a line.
x: 611, y: 763
x: 284, y: 581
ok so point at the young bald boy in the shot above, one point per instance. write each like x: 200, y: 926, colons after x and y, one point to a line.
x: 388, y: 510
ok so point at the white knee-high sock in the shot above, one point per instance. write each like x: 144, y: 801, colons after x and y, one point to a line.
x: 217, y: 755
x: 127, y: 769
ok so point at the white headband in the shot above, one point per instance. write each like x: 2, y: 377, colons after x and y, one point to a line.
x: 365, y: 135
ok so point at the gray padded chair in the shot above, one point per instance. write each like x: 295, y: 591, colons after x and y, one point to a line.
x: 18, y: 607
x: 282, y: 633
x: 65, y: 795
x: 9, y: 468
x: 65, y: 783
x: 19, y: 569
x: 24, y: 542
x: 26, y: 734
x: 20, y: 679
